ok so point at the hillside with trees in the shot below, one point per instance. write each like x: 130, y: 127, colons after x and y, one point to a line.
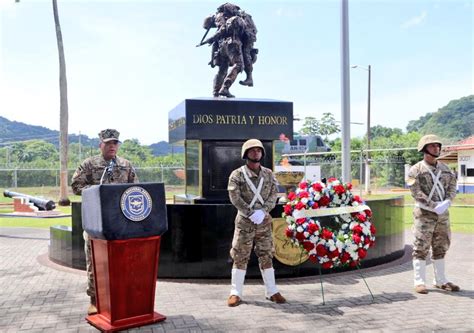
x: 454, y: 122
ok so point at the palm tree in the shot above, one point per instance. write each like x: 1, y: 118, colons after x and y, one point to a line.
x: 63, y: 113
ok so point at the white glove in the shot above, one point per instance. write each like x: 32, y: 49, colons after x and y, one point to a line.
x: 258, y: 216
x: 442, y: 207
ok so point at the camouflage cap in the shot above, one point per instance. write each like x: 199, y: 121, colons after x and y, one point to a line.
x: 108, y: 135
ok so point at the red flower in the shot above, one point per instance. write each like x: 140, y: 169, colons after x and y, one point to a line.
x: 300, y: 221
x: 368, y: 212
x: 372, y: 243
x: 300, y: 236
x: 317, y: 187
x: 289, y: 233
x: 349, y: 186
x: 303, y: 185
x: 330, y: 180
x: 333, y: 254
x: 345, y: 257
x: 362, y: 253
x: 326, y: 265
x: 291, y: 196
x: 315, y: 205
x: 372, y: 229
x: 312, y: 228
x: 300, y: 205
x: 303, y: 194
x: 361, y: 217
x: 288, y: 209
x: 357, y: 229
x: 339, y: 189
x: 354, y: 263
x: 366, y: 241
x: 324, y: 201
x: 357, y: 198
x: 326, y: 234
x: 308, y: 246
x: 356, y: 238
x: 321, y: 250
x: 313, y: 258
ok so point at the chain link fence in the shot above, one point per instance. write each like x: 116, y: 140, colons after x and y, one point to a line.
x: 37, y: 177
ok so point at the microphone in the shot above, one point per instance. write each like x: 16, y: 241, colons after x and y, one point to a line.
x: 110, y: 167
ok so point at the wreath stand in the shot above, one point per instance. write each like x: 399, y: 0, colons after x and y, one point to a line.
x: 361, y: 275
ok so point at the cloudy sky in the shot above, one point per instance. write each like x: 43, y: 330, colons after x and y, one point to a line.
x: 130, y: 62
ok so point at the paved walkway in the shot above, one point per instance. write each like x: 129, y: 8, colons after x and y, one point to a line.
x: 38, y: 296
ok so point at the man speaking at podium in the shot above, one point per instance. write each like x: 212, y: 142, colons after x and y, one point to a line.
x: 105, y: 168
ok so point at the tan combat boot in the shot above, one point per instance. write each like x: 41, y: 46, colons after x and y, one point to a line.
x: 277, y: 298
x: 421, y: 289
x: 92, y: 310
x: 233, y: 300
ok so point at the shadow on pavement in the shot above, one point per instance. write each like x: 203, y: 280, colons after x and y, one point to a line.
x: 332, y: 306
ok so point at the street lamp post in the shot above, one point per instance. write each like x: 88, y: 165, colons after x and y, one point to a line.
x: 367, y: 161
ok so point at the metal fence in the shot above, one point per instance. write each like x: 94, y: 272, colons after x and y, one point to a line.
x: 385, y: 170
x: 37, y: 177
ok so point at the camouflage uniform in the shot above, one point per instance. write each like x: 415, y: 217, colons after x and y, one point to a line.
x: 89, y: 173
x: 246, y: 232
x: 430, y: 229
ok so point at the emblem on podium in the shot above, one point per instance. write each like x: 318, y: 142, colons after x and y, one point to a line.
x: 136, y: 204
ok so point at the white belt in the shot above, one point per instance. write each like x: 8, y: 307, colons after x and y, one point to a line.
x: 256, y: 191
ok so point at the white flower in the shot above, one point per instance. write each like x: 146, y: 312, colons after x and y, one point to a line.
x: 365, y: 230
x: 313, y: 239
x: 304, y: 200
x: 299, y: 229
x: 317, y: 196
x: 345, y: 217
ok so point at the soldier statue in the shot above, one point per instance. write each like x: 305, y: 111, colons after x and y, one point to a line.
x: 232, y: 47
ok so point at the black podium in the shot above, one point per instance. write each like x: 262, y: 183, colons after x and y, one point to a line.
x: 125, y: 223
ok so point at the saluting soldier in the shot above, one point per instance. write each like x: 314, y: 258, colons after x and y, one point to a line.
x: 253, y: 191
x: 433, y: 186
x: 105, y: 168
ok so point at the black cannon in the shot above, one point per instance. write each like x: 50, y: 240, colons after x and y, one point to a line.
x: 42, y: 204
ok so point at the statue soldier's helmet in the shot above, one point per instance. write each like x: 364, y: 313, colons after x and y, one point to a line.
x: 209, y: 22
x: 228, y: 9
x: 426, y: 140
x: 109, y: 135
x: 252, y: 143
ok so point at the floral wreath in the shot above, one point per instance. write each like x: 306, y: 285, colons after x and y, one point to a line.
x: 333, y: 199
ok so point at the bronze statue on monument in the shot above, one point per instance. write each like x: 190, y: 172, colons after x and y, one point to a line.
x: 232, y: 47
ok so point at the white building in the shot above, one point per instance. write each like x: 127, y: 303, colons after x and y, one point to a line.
x: 463, y: 153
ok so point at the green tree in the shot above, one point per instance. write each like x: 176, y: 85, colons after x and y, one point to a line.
x: 136, y: 153
x: 310, y: 126
x: 325, y: 126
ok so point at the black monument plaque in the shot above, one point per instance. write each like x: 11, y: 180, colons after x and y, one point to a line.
x: 212, y: 130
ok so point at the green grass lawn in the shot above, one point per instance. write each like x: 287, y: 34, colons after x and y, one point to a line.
x: 462, y: 216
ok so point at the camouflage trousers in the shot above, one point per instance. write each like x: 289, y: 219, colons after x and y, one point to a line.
x: 246, y: 234
x: 431, y: 231
x: 89, y: 268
